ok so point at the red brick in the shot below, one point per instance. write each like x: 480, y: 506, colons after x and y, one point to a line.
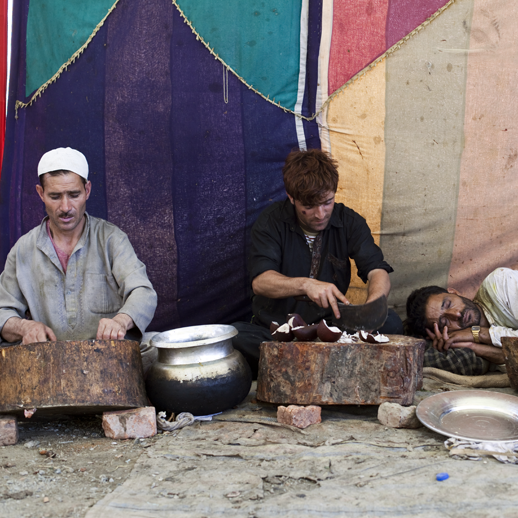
x: 130, y: 424
x: 299, y: 416
x: 8, y: 430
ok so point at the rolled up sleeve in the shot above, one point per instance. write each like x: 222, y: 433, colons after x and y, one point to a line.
x: 498, y: 332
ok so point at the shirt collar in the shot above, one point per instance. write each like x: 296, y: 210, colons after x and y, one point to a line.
x: 45, y: 244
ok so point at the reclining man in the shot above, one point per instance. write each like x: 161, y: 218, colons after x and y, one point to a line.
x: 466, y: 334
x: 73, y: 277
x: 301, y: 247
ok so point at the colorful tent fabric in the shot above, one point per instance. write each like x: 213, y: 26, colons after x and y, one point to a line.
x: 427, y: 145
x: 55, y: 31
x: 184, y: 154
x: 271, y: 47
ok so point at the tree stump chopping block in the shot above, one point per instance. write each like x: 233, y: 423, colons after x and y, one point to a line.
x: 321, y: 373
x: 510, y: 348
x: 69, y: 377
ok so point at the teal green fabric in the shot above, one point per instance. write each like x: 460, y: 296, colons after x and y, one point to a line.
x: 259, y: 40
x: 55, y: 30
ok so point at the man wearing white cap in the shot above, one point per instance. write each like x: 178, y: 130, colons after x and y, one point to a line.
x: 74, y: 277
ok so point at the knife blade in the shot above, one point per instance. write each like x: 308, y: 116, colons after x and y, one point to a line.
x: 364, y: 317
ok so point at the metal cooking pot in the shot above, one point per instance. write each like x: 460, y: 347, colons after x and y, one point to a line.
x: 197, y: 371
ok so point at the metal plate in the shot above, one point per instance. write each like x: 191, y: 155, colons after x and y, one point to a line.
x: 476, y: 415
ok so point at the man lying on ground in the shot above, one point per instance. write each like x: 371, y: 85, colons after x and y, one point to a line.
x: 466, y: 335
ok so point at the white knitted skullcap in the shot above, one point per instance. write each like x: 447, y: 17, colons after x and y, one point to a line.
x: 66, y: 159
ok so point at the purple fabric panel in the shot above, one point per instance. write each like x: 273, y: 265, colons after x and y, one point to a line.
x: 70, y: 113
x: 270, y: 134
x: 405, y: 15
x: 182, y: 172
x: 11, y: 179
x: 309, y: 102
x: 139, y: 165
x: 209, y: 197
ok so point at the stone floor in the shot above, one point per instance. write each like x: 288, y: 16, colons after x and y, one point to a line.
x: 244, y: 463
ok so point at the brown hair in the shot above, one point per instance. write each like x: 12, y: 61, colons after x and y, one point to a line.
x: 309, y: 176
x: 56, y: 173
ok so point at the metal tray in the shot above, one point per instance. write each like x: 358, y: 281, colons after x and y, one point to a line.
x: 476, y: 415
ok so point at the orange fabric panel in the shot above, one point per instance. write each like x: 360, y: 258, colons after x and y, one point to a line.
x: 356, y: 125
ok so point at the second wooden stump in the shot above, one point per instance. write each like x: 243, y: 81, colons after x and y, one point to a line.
x: 510, y: 348
x: 321, y: 373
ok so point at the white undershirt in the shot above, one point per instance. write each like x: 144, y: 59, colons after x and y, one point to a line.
x: 310, y: 238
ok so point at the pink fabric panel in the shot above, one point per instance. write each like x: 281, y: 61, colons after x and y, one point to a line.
x: 487, y: 221
x: 358, y: 38
x: 405, y: 15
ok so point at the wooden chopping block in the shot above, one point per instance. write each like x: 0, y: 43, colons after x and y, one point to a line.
x: 320, y: 373
x: 88, y: 376
x: 510, y: 348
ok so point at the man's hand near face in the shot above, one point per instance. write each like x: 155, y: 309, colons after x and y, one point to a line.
x: 114, y: 328
x: 442, y: 341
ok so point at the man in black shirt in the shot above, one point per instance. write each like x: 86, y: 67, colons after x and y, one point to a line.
x: 302, y: 247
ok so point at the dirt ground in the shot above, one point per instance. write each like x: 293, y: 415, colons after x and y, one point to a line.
x: 244, y: 464
x: 62, y: 465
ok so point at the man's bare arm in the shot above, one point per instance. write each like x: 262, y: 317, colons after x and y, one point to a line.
x: 379, y: 284
x: 28, y: 331
x: 489, y: 352
x: 274, y: 285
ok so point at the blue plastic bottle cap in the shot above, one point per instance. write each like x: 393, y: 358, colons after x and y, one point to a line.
x: 442, y: 476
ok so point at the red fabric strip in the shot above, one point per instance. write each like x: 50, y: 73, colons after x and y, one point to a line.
x: 358, y: 38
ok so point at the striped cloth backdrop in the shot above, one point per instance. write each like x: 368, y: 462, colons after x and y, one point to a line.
x: 186, y: 110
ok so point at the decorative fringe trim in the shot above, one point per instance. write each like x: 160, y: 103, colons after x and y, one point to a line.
x: 387, y: 53
x: 360, y: 74
x: 75, y: 55
x: 216, y: 56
